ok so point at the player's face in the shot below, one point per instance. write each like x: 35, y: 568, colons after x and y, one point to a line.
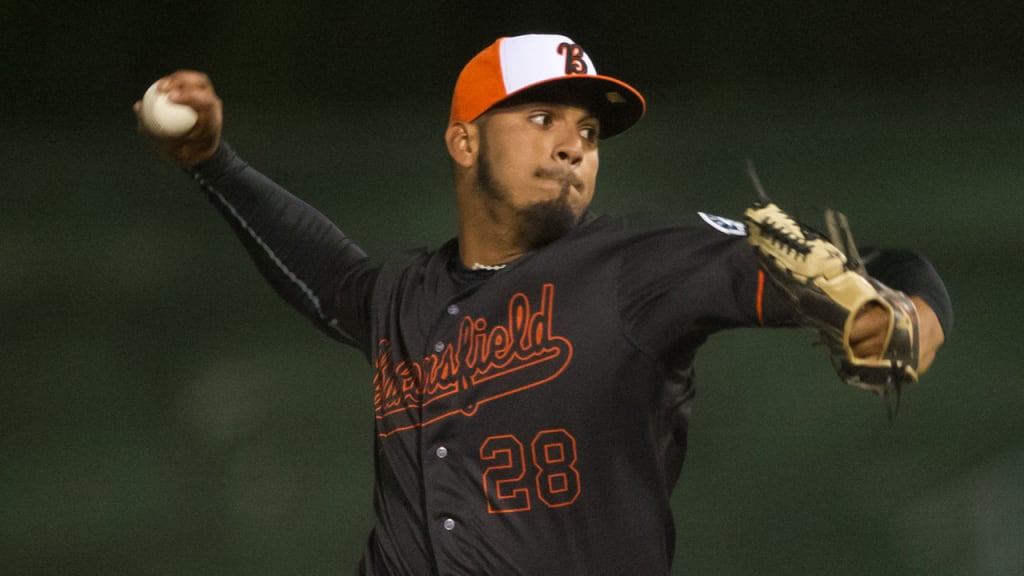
x: 538, y: 163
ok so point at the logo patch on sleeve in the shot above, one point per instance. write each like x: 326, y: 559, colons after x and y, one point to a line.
x: 724, y: 225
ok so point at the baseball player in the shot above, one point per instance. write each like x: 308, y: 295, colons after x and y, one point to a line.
x: 533, y: 376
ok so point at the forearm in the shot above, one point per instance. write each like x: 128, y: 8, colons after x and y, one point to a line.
x: 301, y: 253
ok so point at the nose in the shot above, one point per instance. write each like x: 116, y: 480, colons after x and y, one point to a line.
x: 569, y: 147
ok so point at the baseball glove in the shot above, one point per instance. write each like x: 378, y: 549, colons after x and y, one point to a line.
x: 830, y: 290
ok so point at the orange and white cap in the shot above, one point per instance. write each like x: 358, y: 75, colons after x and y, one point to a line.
x: 547, y: 67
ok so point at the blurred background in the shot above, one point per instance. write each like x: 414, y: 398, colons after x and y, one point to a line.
x: 162, y: 412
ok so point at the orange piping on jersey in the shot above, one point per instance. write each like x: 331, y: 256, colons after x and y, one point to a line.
x: 760, y: 297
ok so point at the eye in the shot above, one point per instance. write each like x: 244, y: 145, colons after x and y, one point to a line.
x: 542, y: 119
x: 589, y: 133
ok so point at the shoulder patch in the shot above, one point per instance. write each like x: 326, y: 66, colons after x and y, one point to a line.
x: 724, y: 225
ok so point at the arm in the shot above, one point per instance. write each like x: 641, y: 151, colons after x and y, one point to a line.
x: 306, y: 259
x: 834, y: 296
x: 301, y: 253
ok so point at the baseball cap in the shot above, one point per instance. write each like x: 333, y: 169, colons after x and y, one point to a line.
x: 550, y: 68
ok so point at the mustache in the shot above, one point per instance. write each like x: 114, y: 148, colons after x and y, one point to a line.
x: 564, y: 176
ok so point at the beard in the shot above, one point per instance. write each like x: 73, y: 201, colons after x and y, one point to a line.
x: 544, y: 222
x: 537, y: 224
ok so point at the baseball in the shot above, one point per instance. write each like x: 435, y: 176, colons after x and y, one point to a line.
x: 165, y: 118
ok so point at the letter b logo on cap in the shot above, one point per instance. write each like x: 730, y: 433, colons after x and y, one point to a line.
x: 574, y: 62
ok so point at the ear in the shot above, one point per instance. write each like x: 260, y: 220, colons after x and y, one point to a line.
x: 461, y: 138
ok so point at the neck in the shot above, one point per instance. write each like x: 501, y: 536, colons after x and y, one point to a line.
x: 487, y: 229
x: 486, y: 243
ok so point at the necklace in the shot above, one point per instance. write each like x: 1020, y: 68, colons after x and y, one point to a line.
x: 479, y: 266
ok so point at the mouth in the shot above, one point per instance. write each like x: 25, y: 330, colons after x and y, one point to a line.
x: 564, y: 178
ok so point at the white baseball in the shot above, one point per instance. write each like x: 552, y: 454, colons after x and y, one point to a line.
x: 165, y: 118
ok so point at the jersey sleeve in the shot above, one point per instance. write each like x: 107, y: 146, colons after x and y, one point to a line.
x: 682, y: 282
x: 302, y: 254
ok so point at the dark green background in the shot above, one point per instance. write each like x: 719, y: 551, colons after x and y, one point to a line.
x: 161, y: 412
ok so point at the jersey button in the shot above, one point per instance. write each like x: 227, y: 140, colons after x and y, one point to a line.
x: 439, y: 347
x: 453, y: 310
x: 449, y: 524
x: 441, y: 452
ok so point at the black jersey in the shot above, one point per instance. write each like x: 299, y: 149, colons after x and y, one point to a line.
x: 530, y: 420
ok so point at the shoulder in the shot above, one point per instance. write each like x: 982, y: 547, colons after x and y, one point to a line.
x: 685, y: 229
x: 411, y: 269
x: 659, y: 247
x: 421, y: 260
